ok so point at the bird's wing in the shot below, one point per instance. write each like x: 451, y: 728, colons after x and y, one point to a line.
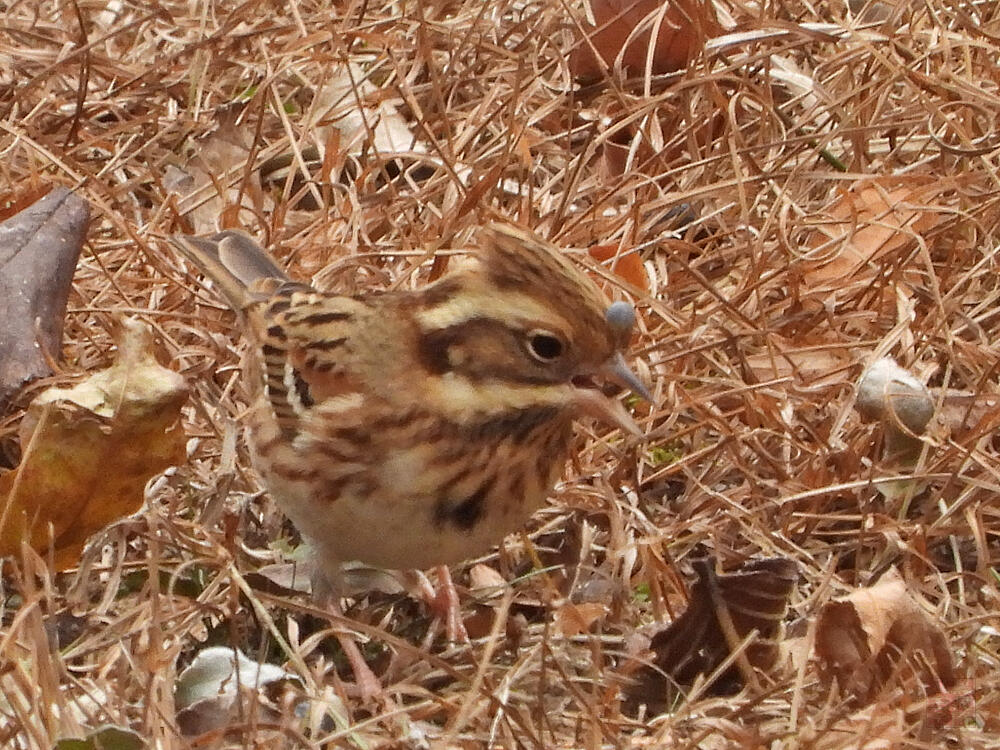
x: 242, y: 270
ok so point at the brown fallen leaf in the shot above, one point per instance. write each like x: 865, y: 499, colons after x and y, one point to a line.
x: 39, y: 247
x: 210, y: 183
x: 725, y: 609
x: 626, y: 264
x: 350, y: 117
x: 880, y: 637
x: 88, y: 451
x: 810, y: 360
x: 573, y: 619
x: 486, y: 580
x: 623, y: 30
x: 968, y: 412
x: 219, y: 684
x: 15, y: 201
x: 869, y: 221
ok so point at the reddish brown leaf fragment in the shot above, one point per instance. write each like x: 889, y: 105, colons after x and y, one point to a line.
x: 626, y: 265
x: 624, y: 28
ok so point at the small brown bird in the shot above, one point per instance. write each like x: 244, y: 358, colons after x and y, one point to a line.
x: 409, y: 429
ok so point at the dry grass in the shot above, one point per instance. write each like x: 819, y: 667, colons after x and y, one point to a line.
x: 160, y: 115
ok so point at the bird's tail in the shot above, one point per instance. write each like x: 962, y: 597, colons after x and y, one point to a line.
x: 240, y: 268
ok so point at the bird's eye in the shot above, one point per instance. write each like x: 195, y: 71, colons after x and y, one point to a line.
x: 544, y: 346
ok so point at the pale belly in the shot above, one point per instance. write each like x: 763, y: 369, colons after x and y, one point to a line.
x: 404, y: 525
x: 410, y: 502
x: 407, y: 535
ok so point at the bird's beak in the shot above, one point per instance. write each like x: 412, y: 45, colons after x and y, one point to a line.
x: 618, y: 372
x: 594, y: 403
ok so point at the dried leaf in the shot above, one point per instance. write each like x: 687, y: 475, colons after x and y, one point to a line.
x: 282, y: 578
x: 210, y: 687
x: 15, y: 202
x: 871, y: 220
x: 573, y: 619
x: 968, y: 412
x: 484, y: 579
x: 626, y: 264
x: 353, y: 105
x: 39, y: 248
x: 211, y: 184
x: 478, y: 620
x: 879, y: 637
x: 351, y: 117
x: 623, y: 30
x: 88, y: 451
x: 811, y: 361
x: 724, y: 610
x: 871, y: 11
